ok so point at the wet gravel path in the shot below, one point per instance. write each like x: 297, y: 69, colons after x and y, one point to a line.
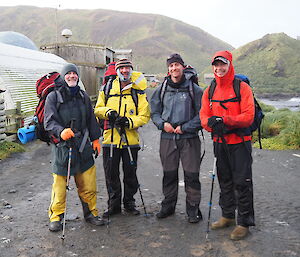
x: 25, y: 184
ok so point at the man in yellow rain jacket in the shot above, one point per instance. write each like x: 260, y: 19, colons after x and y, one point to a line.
x: 124, y: 107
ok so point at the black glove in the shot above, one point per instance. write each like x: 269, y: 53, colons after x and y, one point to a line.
x: 112, y: 116
x: 122, y: 122
x: 214, y: 120
x: 217, y: 125
x: 219, y: 129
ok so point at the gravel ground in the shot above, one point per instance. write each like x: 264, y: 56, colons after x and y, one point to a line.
x: 25, y: 185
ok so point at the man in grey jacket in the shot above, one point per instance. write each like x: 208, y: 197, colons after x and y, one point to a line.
x: 175, y: 107
x: 73, y: 123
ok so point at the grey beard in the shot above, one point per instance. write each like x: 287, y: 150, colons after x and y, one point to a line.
x: 122, y: 78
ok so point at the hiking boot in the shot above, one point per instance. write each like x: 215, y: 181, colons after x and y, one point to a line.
x: 55, y: 226
x: 132, y: 210
x: 239, y: 232
x: 111, y: 211
x: 94, y: 220
x: 223, y: 223
x: 164, y: 213
x: 195, y: 218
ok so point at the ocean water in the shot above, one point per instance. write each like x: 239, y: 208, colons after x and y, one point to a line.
x: 293, y: 104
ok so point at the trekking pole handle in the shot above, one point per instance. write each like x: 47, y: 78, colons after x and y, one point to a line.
x: 214, y: 167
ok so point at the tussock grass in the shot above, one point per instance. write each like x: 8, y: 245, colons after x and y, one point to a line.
x: 7, y: 148
x: 280, y: 130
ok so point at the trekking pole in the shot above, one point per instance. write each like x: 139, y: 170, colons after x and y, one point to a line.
x: 211, y: 194
x: 146, y: 214
x: 68, y: 182
x: 132, y: 162
x: 123, y: 136
x: 112, y: 125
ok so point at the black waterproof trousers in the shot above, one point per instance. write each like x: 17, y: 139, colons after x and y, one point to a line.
x: 188, y: 152
x: 234, y: 171
x: 112, y: 176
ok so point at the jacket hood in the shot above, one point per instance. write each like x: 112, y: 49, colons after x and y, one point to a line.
x: 138, y: 80
x: 189, y: 72
x: 110, y: 70
x: 229, y: 77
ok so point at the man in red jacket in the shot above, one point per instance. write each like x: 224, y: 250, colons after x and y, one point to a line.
x: 225, y: 116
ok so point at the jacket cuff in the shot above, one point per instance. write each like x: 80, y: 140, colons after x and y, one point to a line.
x: 107, y: 112
x: 130, y: 123
x: 161, y: 126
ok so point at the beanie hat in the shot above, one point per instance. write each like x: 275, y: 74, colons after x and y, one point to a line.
x: 67, y: 68
x: 123, y: 63
x: 175, y: 58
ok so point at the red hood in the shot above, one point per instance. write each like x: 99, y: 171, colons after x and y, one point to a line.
x: 229, y: 77
x: 110, y: 69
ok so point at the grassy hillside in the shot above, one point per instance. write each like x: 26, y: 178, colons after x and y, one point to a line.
x: 272, y: 64
x: 152, y: 37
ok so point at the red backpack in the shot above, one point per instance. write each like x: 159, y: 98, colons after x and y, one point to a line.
x: 44, y: 86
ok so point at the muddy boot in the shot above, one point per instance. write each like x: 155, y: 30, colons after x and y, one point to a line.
x: 55, y: 226
x: 239, y: 232
x: 223, y: 223
x: 194, y: 213
x: 195, y: 217
x: 94, y: 220
x: 131, y: 210
x: 111, y: 211
x: 164, y: 213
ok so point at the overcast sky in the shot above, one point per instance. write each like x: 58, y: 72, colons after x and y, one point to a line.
x: 236, y: 22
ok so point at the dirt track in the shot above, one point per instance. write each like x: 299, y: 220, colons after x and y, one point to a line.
x: 25, y: 184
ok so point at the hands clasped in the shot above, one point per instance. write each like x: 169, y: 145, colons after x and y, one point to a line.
x: 169, y: 128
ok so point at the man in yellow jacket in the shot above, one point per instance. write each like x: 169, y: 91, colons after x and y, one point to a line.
x: 123, y: 105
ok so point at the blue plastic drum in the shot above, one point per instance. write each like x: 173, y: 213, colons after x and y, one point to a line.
x: 26, y: 134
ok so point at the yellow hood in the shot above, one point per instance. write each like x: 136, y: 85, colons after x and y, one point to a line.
x: 138, y: 80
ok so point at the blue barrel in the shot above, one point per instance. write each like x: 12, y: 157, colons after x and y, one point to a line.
x: 26, y: 134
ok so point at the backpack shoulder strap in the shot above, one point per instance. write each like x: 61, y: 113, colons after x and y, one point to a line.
x: 135, y: 97
x: 192, y: 93
x: 163, y: 90
x: 211, y: 89
x: 237, y: 88
x: 84, y: 96
x: 191, y: 90
x: 59, y: 97
x: 107, y: 89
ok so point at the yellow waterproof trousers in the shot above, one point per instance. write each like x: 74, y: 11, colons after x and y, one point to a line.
x: 86, y: 187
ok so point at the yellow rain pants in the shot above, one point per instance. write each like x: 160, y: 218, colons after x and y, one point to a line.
x: 86, y: 187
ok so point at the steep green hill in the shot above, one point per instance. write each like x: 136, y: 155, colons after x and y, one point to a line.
x: 152, y: 37
x: 272, y: 64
